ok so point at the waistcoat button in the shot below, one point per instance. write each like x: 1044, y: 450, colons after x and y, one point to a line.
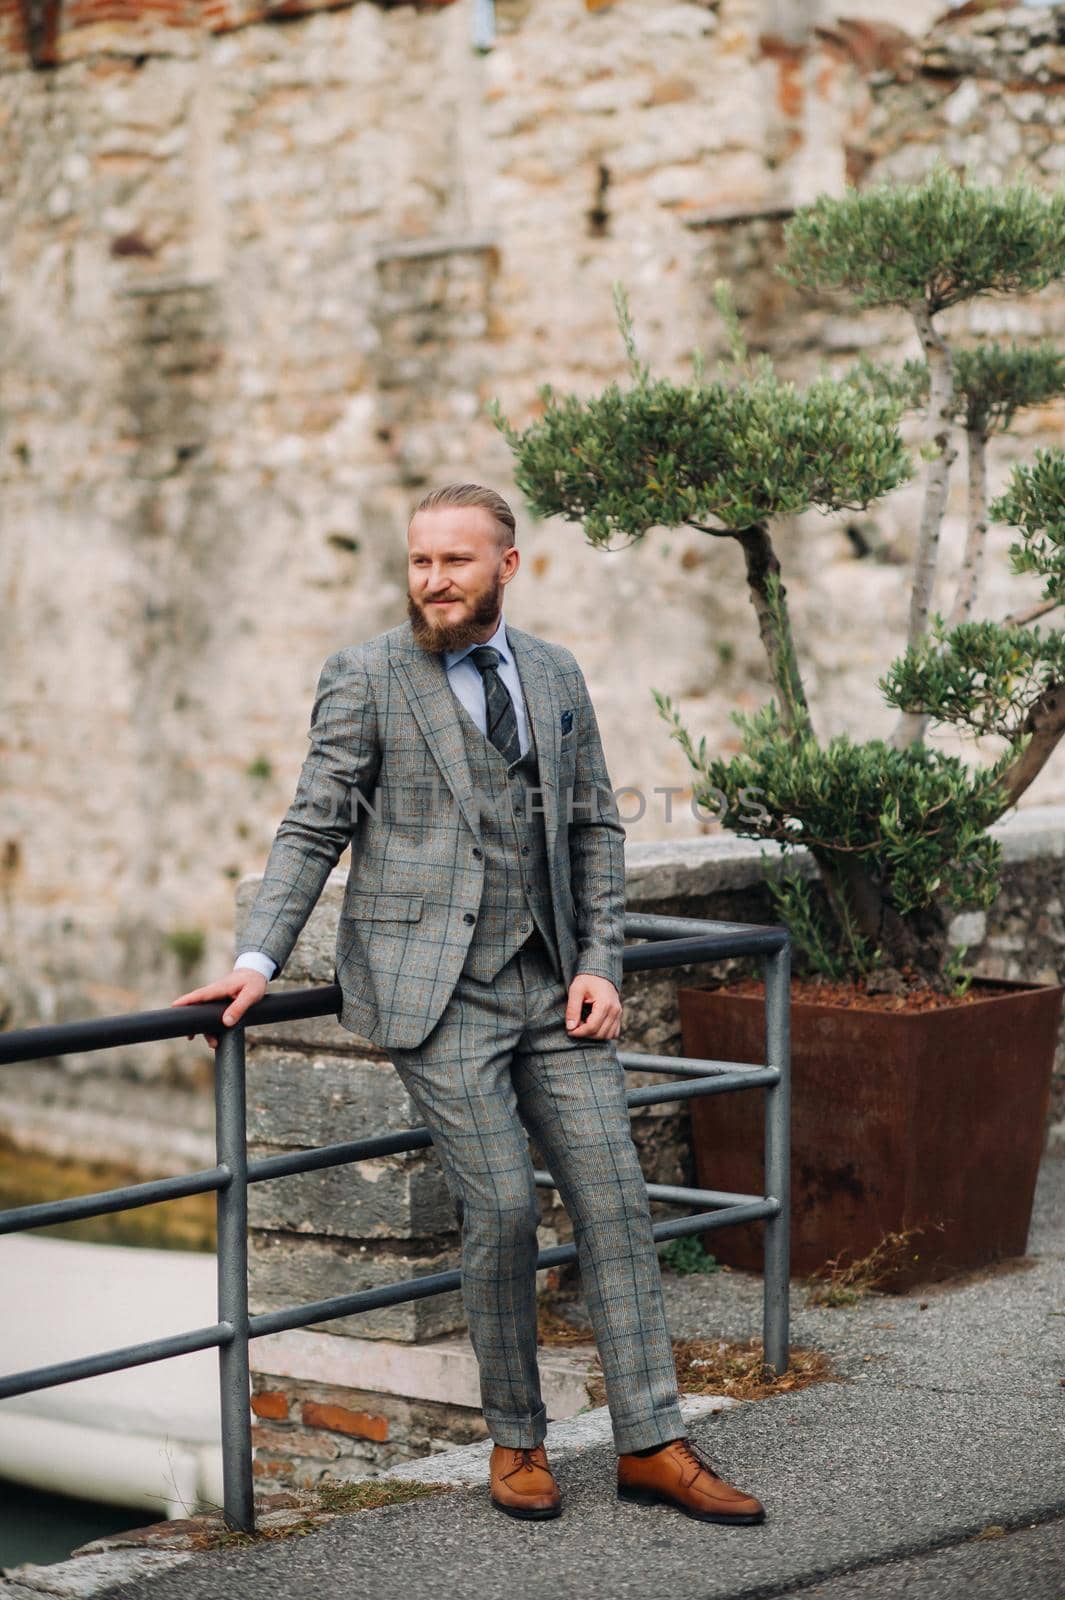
x: 468, y: 916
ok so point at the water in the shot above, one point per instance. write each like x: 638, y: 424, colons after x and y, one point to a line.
x: 36, y: 1525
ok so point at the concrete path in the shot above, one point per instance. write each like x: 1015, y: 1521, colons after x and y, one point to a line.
x: 950, y: 1424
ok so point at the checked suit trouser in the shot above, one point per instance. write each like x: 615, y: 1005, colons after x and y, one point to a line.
x: 498, y: 1066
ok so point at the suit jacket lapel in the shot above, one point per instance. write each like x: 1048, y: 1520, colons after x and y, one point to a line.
x: 432, y: 701
x: 535, y: 670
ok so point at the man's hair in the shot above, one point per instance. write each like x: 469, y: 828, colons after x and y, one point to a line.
x: 472, y: 494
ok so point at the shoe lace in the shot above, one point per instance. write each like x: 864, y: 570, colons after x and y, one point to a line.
x: 525, y: 1454
x: 694, y: 1454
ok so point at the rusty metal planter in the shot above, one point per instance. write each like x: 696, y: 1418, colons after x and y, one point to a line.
x: 900, y: 1119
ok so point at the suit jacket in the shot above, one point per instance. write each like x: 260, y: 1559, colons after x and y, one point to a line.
x: 387, y: 772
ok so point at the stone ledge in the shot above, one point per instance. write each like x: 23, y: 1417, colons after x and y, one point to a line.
x: 570, y: 1436
x: 84, y: 1576
x: 662, y: 870
x: 442, y: 1369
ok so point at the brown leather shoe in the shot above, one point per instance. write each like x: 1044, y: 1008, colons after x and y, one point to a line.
x: 522, y: 1483
x: 678, y: 1475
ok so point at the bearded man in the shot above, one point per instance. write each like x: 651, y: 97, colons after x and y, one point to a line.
x: 480, y: 945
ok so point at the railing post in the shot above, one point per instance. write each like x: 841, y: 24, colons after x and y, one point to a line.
x: 232, y: 1209
x: 775, y: 1335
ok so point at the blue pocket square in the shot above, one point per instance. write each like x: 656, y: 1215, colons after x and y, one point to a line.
x: 567, y: 721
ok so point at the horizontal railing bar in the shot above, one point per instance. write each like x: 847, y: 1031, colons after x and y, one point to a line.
x: 49, y: 1212
x: 343, y: 1305
x: 700, y: 947
x: 710, y: 939
x: 261, y: 1168
x: 389, y: 1294
x: 146, y: 1027
x: 133, y: 1355
x: 678, y: 1227
x: 671, y: 1192
x: 264, y: 1168
x: 645, y: 925
x: 686, y: 1066
x: 658, y: 1093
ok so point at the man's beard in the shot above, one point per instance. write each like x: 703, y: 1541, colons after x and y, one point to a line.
x: 440, y: 636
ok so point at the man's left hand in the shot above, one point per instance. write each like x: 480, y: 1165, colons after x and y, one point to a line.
x: 604, y: 1019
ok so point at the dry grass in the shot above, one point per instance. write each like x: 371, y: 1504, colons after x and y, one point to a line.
x: 552, y: 1326
x: 328, y: 1501
x: 370, y: 1493
x: 844, y: 1283
x: 222, y: 1538
x: 735, y: 1368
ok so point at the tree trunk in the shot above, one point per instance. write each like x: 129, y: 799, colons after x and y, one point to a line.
x: 913, y: 948
x: 976, y: 539
x: 973, y: 559
x: 910, y: 726
x: 774, y: 626
x: 1046, y: 723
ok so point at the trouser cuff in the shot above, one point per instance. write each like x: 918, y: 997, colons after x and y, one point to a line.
x: 658, y: 1429
x: 517, y: 1432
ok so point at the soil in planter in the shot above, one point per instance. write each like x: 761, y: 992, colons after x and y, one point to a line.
x: 854, y: 996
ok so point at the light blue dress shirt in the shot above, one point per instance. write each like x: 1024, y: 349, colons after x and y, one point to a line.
x: 468, y: 686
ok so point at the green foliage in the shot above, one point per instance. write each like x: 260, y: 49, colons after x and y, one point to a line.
x: 992, y: 382
x: 960, y: 981
x: 983, y: 676
x: 1034, y: 502
x: 935, y: 243
x: 260, y: 767
x: 188, y: 945
x: 687, y: 1255
x: 897, y: 834
x: 660, y: 454
x: 830, y: 949
x: 916, y: 817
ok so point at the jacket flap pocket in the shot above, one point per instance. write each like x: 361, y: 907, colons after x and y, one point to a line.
x: 387, y: 907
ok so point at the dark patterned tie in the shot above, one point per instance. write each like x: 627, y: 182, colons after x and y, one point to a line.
x: 501, y: 722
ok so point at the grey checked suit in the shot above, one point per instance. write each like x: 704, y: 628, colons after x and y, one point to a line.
x: 388, y: 764
x: 477, y: 891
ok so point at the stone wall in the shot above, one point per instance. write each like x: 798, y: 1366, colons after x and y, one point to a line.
x: 263, y: 265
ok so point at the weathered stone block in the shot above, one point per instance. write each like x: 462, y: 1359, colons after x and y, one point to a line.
x: 305, y: 1100
x: 285, y: 1270
x: 397, y: 1197
x: 310, y: 1033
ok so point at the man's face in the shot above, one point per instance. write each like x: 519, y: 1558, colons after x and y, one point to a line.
x: 456, y: 573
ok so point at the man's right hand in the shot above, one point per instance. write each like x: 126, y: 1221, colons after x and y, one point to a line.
x: 243, y: 985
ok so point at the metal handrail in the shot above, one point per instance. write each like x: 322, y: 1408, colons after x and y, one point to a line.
x: 671, y: 941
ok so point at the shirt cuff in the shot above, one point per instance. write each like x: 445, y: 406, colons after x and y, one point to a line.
x: 258, y: 961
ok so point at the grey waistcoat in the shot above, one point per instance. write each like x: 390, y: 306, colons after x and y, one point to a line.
x: 515, y: 897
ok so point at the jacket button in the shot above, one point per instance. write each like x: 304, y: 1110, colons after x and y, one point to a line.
x: 477, y: 854
x: 468, y: 916
x: 525, y: 849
